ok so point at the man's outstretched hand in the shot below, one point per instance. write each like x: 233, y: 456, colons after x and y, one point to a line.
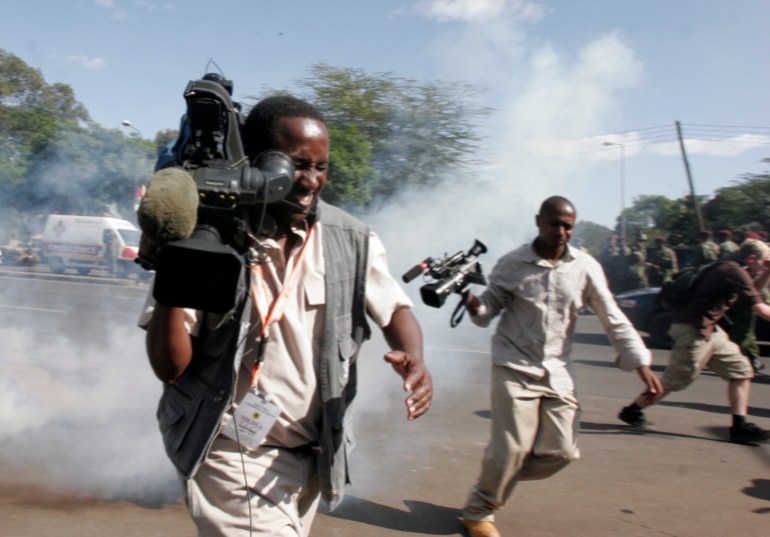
x: 417, y: 382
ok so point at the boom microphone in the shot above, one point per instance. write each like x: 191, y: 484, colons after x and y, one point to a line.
x: 169, y: 208
x: 416, y: 270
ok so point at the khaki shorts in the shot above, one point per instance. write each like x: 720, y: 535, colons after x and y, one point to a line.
x: 692, y: 353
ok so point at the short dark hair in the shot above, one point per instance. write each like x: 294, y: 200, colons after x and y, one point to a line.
x: 260, y: 129
x: 556, y: 203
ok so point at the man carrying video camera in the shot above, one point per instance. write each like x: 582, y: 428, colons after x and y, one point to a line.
x: 539, y: 290
x: 261, y: 466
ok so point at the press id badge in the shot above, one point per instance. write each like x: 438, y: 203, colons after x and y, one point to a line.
x: 254, y: 417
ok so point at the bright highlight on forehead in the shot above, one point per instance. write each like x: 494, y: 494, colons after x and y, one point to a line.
x: 312, y: 129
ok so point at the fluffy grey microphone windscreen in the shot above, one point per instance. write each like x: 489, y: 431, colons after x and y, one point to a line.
x: 169, y: 208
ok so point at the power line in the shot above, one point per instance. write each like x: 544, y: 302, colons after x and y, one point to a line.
x: 658, y: 134
x: 728, y: 141
x: 744, y: 127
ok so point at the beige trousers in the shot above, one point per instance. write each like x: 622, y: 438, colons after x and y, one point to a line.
x: 282, y: 499
x: 534, y: 435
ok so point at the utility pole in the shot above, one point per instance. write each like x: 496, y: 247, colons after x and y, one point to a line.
x: 698, y: 215
x: 623, y: 223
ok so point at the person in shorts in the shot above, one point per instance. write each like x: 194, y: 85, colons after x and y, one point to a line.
x: 699, y: 341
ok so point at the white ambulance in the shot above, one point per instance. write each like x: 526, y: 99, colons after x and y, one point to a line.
x: 83, y: 243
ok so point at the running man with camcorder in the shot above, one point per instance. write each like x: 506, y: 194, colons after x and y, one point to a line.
x: 539, y: 290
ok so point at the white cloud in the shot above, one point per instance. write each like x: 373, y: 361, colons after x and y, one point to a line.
x: 149, y: 6
x: 86, y: 62
x: 479, y: 10
x: 152, y: 6
x: 112, y: 6
x: 559, y: 102
x: 663, y: 141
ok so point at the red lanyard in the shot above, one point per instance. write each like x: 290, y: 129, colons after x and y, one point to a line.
x: 277, y: 307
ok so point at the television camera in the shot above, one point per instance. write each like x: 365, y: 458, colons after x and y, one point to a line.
x: 206, y: 270
x: 450, y: 274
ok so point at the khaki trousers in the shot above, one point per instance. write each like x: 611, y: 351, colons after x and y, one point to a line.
x: 534, y: 435
x: 282, y: 488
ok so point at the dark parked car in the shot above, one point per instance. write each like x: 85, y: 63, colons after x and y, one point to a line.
x: 642, y: 309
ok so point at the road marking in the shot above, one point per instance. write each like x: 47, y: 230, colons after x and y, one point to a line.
x: 456, y: 349
x: 32, y: 309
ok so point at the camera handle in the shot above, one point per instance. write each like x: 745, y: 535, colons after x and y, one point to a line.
x: 457, y: 314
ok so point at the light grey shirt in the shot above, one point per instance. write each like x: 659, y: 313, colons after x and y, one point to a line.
x: 539, y: 304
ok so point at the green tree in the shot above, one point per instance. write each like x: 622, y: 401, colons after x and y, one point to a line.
x: 31, y: 114
x: 89, y: 171
x: 593, y: 236
x: 54, y: 158
x: 682, y: 222
x: 414, y: 133
x: 353, y: 174
x: 743, y: 205
x: 164, y: 138
x: 657, y: 216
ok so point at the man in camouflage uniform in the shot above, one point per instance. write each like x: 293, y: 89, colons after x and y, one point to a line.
x: 610, y: 260
x: 726, y: 245
x: 662, y: 264
x: 706, y: 250
x: 636, y: 265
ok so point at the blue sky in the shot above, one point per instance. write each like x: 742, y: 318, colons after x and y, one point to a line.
x: 563, y: 77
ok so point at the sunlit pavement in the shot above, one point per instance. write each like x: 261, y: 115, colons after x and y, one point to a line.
x: 410, y: 478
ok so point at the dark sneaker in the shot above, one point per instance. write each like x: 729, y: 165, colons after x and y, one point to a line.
x: 634, y: 418
x: 748, y: 433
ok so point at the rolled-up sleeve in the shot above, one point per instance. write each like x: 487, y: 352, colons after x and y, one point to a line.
x: 192, y: 318
x: 383, y: 293
x: 632, y: 353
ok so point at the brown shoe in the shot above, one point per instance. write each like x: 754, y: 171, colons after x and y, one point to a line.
x: 480, y: 528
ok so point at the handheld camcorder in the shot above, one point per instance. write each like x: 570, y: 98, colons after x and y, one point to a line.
x: 206, y: 270
x: 450, y: 274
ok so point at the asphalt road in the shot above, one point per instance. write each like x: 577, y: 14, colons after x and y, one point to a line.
x: 80, y: 454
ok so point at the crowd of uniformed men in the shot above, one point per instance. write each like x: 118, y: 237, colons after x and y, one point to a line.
x: 635, y: 266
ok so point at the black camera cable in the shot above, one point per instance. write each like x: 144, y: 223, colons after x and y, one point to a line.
x: 457, y: 314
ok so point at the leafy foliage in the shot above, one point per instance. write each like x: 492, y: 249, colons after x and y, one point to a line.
x: 412, y: 133
x: 54, y: 158
x: 164, y: 138
x: 591, y: 235
x: 743, y: 206
x: 387, y: 133
x: 88, y: 171
x: 353, y: 174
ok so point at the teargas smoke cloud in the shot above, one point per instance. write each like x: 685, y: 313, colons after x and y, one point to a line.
x: 77, y: 415
x: 541, y: 93
x: 77, y: 409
